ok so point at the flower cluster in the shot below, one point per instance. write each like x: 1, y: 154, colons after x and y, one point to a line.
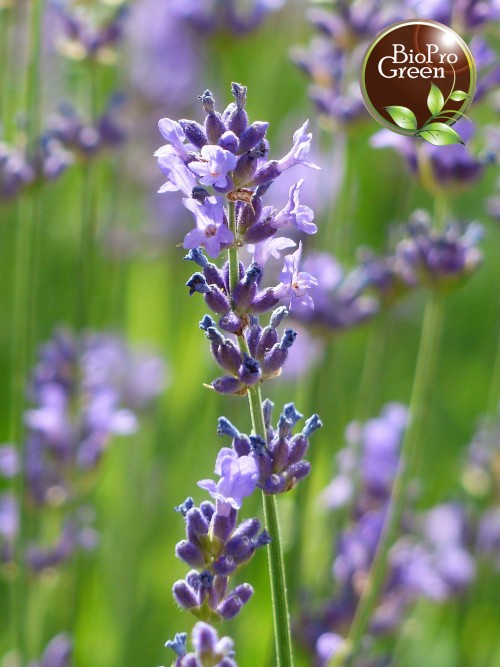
x: 216, y: 545
x: 84, y: 390
x: 431, y: 558
x: 81, y: 37
x: 229, y: 155
x: 67, y: 139
x: 207, y: 17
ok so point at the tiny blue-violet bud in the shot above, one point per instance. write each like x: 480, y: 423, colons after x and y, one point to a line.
x: 197, y: 283
x: 185, y: 506
x: 258, y: 444
x: 312, y: 424
x: 206, y: 322
x: 292, y: 414
x: 224, y: 427
x: 288, y: 339
x: 196, y: 255
x: 277, y: 316
x: 178, y: 643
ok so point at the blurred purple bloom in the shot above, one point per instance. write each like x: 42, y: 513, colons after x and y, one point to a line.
x: 207, y: 647
x: 238, y: 479
x: 214, y: 165
x: 211, y: 231
x: 294, y: 283
x: 269, y: 248
x: 9, y: 461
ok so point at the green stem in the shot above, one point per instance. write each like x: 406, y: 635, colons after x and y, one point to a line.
x: 279, y: 598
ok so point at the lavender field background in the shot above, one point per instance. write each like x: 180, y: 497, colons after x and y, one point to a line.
x: 103, y: 363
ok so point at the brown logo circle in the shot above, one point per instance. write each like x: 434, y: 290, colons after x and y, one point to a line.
x: 418, y: 78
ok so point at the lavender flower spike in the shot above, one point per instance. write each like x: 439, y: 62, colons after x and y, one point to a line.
x: 294, y: 284
x: 238, y: 478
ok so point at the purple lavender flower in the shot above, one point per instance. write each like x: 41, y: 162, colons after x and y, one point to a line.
x: 238, y: 479
x: 294, y: 283
x: 214, y: 165
x: 296, y: 214
x: 58, y: 653
x: 299, y: 151
x: 211, y: 230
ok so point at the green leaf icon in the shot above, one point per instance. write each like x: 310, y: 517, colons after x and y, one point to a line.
x: 458, y: 96
x: 435, y: 100
x: 439, y: 134
x: 403, y: 117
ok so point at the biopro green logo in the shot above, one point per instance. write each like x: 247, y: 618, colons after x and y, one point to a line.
x: 418, y: 78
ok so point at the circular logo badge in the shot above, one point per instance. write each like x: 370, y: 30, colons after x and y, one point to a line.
x: 418, y: 78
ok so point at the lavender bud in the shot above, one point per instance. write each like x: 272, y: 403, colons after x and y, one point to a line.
x: 196, y: 255
x: 264, y: 539
x: 196, y: 525
x: 241, y: 445
x: 223, y: 526
x: 178, y: 644
x: 249, y: 370
x: 278, y: 316
x: 296, y: 472
x: 214, y: 276
x: 227, y: 385
x: 231, y: 323
x: 247, y: 528
x: 224, y: 427
x: 264, y: 301
x: 258, y: 444
x: 252, y: 136
x: 244, y: 293
x: 229, y: 357
x: 274, y: 360
x: 244, y: 592
x: 292, y: 414
x: 267, y: 409
x: 267, y: 173
x: 261, y: 231
x: 245, y: 169
x: 214, y: 336
x: 185, y: 506
x: 268, y: 338
x: 206, y: 322
x: 194, y: 133
x: 312, y: 424
x: 189, y: 553
x: 284, y: 427
x: 207, y: 509
x: 239, y: 548
x: 297, y: 449
x: 184, y: 595
x: 288, y: 339
x: 229, y: 142
x: 238, y: 119
x: 216, y: 300
x: 252, y: 335
x: 224, y: 566
x: 247, y: 217
x: 197, y: 283
x: 279, y: 453
x: 220, y: 586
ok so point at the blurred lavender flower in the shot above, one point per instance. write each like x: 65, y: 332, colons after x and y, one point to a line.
x: 209, y: 650
x: 451, y: 169
x: 84, y: 389
x: 340, y: 301
x: 440, y: 260
x: 431, y: 558
x: 58, y: 653
x: 232, y: 15
x: 89, y: 32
